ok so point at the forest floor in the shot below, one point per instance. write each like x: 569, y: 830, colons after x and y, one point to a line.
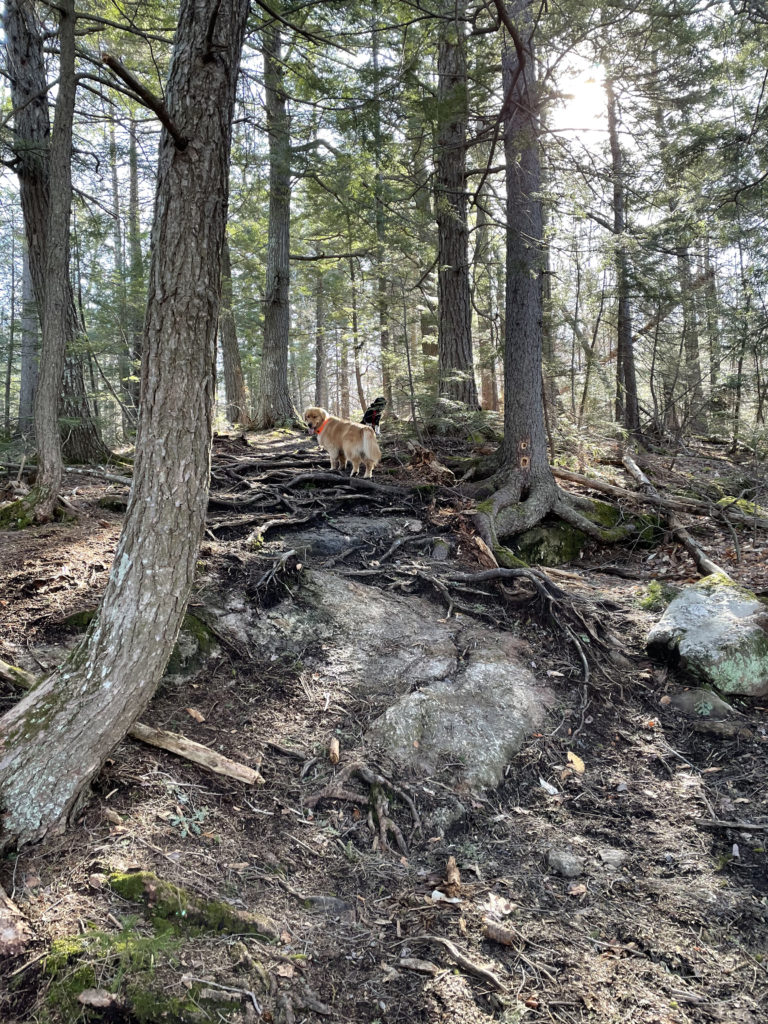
x: 664, y: 921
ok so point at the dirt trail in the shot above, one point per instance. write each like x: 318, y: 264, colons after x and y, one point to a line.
x: 600, y: 882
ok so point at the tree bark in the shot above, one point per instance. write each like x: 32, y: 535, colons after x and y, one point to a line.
x: 456, y: 376
x: 56, y: 738
x: 29, y: 353
x: 382, y: 284
x: 274, y: 406
x: 137, y: 286
x: 56, y: 295
x: 523, y: 489
x: 11, y: 355
x: 321, y: 360
x: 43, y: 167
x: 234, y: 382
x: 628, y: 408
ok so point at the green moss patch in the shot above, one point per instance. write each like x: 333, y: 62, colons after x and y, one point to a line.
x: 123, y: 964
x: 170, y: 906
x: 553, y: 542
x: 656, y: 596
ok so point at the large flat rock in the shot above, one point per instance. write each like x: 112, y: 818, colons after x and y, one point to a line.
x: 446, y: 695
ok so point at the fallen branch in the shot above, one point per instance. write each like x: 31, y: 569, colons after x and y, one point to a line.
x: 691, y: 505
x: 703, y: 562
x: 740, y: 826
x: 195, y: 752
x: 170, y: 741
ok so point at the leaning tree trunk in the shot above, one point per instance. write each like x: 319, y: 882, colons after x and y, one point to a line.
x: 274, y: 406
x: 456, y: 375
x: 56, y: 738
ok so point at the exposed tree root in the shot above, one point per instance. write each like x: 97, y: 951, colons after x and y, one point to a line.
x: 509, y: 511
x: 379, y: 820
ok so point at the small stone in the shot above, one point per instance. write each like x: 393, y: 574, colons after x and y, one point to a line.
x: 612, y: 858
x: 97, y: 880
x: 565, y: 863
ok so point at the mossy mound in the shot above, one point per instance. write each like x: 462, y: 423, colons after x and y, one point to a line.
x: 169, y: 906
x: 554, y: 542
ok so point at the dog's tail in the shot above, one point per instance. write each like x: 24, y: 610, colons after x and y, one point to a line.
x: 371, y: 448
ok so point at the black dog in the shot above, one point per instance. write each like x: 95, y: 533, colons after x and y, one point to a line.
x: 373, y: 413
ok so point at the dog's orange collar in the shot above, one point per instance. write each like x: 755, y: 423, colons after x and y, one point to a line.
x: 322, y: 426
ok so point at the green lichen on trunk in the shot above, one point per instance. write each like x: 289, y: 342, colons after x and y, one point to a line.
x: 170, y: 906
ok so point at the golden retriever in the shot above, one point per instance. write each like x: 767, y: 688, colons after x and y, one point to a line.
x: 344, y: 441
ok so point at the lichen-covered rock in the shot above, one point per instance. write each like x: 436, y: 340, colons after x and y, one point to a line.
x: 717, y: 631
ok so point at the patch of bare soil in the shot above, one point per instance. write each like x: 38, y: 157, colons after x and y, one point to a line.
x: 618, y: 874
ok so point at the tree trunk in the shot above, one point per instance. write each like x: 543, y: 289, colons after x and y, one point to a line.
x: 695, y: 417
x: 29, y: 353
x: 137, y: 289
x: 128, y: 410
x: 56, y: 295
x: 344, y: 375
x: 456, y: 376
x: 234, y: 383
x: 626, y: 378
x: 56, y: 738
x: 274, y: 406
x: 525, y: 489
x: 44, y: 172
x: 356, y: 343
x: 321, y: 361
x: 11, y: 334
x: 382, y: 285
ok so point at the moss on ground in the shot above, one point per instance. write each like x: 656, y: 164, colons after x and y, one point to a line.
x: 123, y: 964
x: 171, y: 907
x: 133, y: 964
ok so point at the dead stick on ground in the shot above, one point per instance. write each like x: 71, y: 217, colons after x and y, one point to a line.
x: 704, y: 563
x: 170, y: 741
x: 464, y: 962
